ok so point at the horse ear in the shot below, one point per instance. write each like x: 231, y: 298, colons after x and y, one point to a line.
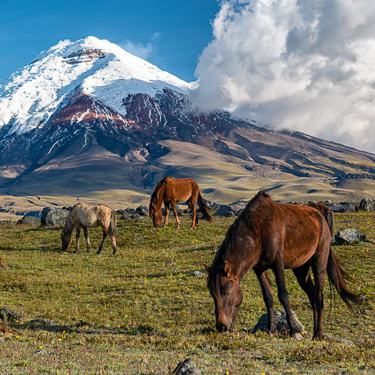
x: 227, y: 268
x: 208, y: 268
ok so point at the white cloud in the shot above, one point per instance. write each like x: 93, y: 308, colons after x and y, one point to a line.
x: 304, y: 65
x: 145, y: 52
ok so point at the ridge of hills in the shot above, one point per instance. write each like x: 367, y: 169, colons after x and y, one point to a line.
x: 88, y: 121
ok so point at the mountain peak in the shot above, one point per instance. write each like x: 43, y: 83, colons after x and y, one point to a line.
x: 92, y: 66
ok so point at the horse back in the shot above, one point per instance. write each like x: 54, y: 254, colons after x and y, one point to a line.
x: 296, y: 230
x: 90, y: 215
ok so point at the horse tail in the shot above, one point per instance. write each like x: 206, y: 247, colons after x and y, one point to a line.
x: 330, y: 220
x: 112, y: 223
x: 203, y: 208
x: 337, y: 276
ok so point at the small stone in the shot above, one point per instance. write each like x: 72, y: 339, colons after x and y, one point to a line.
x: 196, y: 274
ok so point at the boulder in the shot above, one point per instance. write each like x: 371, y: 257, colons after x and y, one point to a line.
x: 342, y: 207
x: 143, y: 210
x: 29, y: 220
x: 349, y: 236
x: 187, y: 367
x: 281, y: 323
x: 53, y: 216
x: 225, y: 210
x: 366, y: 205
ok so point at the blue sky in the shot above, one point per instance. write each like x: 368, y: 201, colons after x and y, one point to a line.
x: 168, y: 33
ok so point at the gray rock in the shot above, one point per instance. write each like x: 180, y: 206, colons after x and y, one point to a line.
x: 281, y: 323
x: 8, y: 315
x: 225, y: 210
x: 43, y: 352
x: 143, y: 210
x: 349, y: 236
x: 53, y: 216
x: 342, y: 207
x: 43, y: 322
x: 187, y: 367
x: 366, y: 205
x: 197, y: 274
x: 29, y: 220
x: 347, y: 342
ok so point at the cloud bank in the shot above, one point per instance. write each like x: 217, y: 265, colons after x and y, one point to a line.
x: 306, y: 65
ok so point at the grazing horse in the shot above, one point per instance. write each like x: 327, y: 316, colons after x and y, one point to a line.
x: 86, y: 216
x: 326, y: 212
x: 270, y: 235
x: 175, y: 190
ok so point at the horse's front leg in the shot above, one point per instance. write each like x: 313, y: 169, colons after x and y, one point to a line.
x: 265, y: 283
x: 166, y: 205
x: 87, y: 238
x: 78, y: 234
x: 278, y: 269
x: 176, y: 214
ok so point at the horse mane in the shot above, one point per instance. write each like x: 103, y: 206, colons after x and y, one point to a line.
x: 154, y: 195
x: 244, y: 218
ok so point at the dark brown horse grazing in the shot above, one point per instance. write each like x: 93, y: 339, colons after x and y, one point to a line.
x: 327, y: 214
x: 175, y: 190
x: 86, y: 216
x: 270, y: 235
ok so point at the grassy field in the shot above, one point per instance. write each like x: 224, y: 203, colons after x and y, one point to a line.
x: 141, y: 311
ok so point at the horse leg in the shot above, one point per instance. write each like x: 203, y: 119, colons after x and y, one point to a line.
x: 78, y: 234
x: 264, y: 280
x: 304, y: 279
x: 101, y: 245
x: 278, y: 269
x: 194, y: 223
x: 86, y: 233
x: 166, y: 205
x: 113, y: 240
x: 319, y: 279
x: 175, y: 213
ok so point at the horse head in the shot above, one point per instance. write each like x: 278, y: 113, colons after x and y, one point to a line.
x: 155, y: 214
x: 66, y: 239
x: 227, y: 294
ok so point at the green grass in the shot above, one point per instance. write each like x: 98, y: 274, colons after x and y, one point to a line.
x: 141, y: 312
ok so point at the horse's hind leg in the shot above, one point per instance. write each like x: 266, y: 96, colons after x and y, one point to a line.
x: 278, y: 269
x: 192, y: 203
x: 101, y: 245
x: 113, y: 240
x: 87, y: 238
x: 319, y: 279
x: 304, y: 279
x: 176, y: 214
x: 78, y: 235
x: 265, y: 283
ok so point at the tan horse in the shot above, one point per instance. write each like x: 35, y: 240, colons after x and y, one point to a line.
x: 175, y: 190
x: 86, y: 216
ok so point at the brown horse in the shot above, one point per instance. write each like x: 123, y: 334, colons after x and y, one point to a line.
x: 175, y: 190
x: 326, y: 212
x: 86, y: 216
x: 270, y: 235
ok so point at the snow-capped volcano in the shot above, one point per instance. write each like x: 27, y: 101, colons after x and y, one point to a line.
x: 89, y: 117
x: 90, y: 66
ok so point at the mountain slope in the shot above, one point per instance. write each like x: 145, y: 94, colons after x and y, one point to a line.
x: 87, y: 118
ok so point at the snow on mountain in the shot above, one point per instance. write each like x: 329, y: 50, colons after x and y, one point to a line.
x: 90, y: 66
